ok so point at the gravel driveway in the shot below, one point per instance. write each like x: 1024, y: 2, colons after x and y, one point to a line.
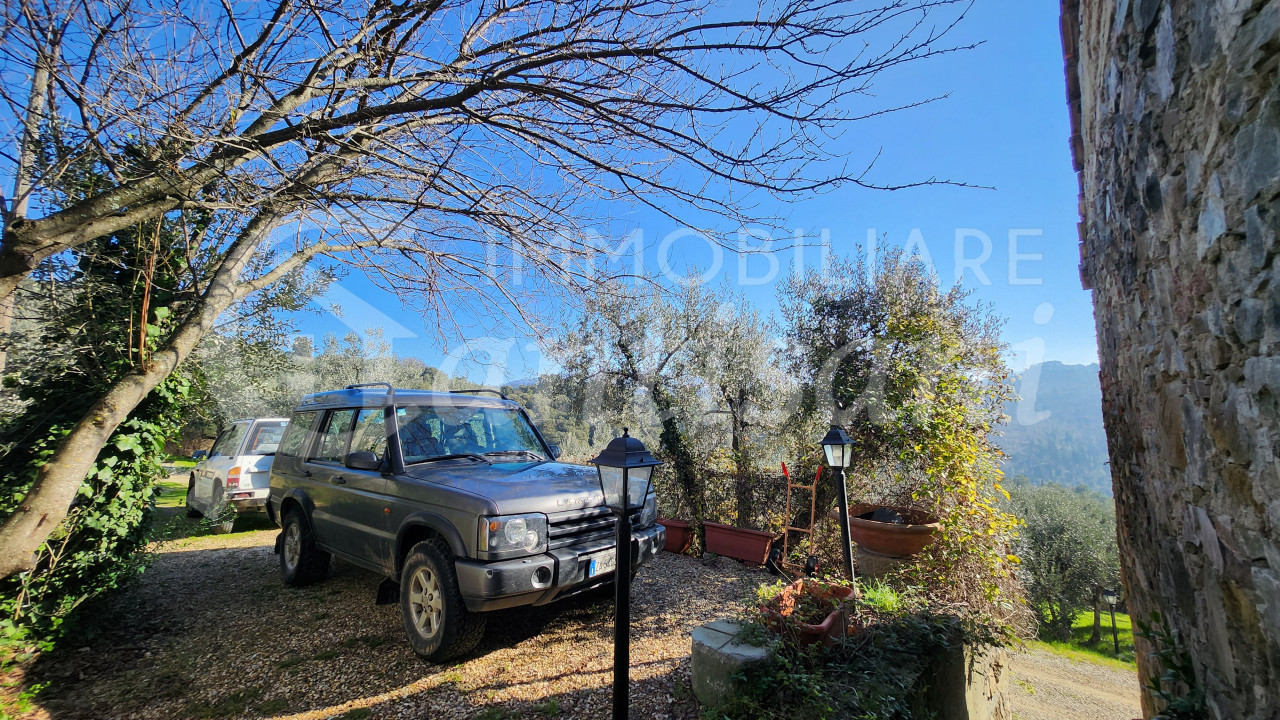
x: 209, y: 631
x: 1051, y: 687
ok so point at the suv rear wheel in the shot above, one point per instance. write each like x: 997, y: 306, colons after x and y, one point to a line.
x: 436, y: 619
x: 191, y: 495
x: 301, y: 562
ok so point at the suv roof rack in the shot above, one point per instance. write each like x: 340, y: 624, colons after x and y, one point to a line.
x: 474, y: 391
x: 387, y: 385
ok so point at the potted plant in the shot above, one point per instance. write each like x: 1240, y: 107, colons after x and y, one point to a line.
x: 747, y: 545
x: 679, y: 535
x: 808, y: 611
x: 891, y: 530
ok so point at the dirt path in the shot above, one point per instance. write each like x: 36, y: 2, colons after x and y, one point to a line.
x: 1050, y: 687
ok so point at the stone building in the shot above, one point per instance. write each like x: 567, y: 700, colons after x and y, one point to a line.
x: 1176, y: 118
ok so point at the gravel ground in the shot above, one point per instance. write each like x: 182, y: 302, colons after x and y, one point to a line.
x: 1050, y: 687
x: 209, y: 631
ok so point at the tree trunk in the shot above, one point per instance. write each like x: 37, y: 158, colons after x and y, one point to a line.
x: 59, y: 479
x: 1096, y: 636
x: 675, y: 446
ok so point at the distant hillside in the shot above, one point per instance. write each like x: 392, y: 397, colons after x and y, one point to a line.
x: 1056, y: 434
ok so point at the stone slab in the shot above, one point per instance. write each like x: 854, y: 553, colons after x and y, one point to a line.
x: 716, y: 658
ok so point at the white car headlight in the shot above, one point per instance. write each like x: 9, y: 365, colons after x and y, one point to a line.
x: 509, y: 533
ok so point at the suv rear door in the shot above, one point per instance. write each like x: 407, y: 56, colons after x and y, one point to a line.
x: 213, y: 470
x: 349, y: 516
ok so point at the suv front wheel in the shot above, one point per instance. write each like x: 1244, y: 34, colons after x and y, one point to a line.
x: 435, y: 617
x: 301, y: 562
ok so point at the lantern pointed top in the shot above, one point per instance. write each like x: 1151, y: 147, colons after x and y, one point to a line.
x: 625, y: 452
x: 837, y: 436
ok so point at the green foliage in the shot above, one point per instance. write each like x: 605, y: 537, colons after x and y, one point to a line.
x: 916, y: 377
x: 1175, y: 683
x: 1068, y: 551
x: 873, y: 675
x: 98, y: 313
x: 96, y: 547
x: 876, y: 673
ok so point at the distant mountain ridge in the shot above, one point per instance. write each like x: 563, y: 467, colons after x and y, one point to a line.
x: 1055, y: 431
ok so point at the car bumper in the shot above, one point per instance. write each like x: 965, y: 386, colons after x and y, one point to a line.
x: 249, y: 500
x: 541, y: 579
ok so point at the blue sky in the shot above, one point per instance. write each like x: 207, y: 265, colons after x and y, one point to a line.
x: 1004, y: 125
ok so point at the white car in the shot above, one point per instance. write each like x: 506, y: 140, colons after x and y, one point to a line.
x: 236, y: 473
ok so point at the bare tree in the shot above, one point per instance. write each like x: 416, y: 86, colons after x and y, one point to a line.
x: 438, y: 145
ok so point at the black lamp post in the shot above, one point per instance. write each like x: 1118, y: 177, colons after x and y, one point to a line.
x: 838, y: 447
x: 624, y: 467
x: 1112, y: 598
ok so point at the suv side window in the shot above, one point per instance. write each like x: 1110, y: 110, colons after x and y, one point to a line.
x: 334, y: 436
x: 295, y: 433
x: 229, y: 440
x: 370, y: 432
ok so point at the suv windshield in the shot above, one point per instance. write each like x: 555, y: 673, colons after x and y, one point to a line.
x: 498, y: 434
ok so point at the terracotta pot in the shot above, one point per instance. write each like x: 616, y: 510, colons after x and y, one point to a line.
x: 804, y: 634
x: 679, y: 536
x: 891, y: 539
x: 749, y: 545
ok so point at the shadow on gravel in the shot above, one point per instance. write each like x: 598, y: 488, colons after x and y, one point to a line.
x: 209, y: 631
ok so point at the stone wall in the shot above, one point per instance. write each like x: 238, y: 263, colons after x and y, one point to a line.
x: 1177, y: 106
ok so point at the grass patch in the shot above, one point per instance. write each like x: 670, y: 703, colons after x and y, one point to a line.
x: 289, y: 662
x: 180, y: 461
x: 171, y: 494
x: 233, y: 705
x: 274, y: 706
x: 357, y: 714
x: 1103, y: 653
x: 369, y: 641
x: 496, y: 713
x: 548, y: 708
x: 325, y: 655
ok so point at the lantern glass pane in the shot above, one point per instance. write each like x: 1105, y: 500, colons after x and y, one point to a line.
x: 611, y: 484
x: 638, y: 486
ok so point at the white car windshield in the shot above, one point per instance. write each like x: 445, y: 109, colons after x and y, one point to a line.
x: 496, y: 434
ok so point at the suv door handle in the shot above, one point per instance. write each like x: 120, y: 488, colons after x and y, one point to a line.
x: 306, y: 473
x: 339, y: 480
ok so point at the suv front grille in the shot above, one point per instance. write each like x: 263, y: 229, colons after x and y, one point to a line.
x: 577, y: 526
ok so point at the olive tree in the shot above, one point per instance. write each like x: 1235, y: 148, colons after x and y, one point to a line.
x: 452, y: 150
x: 1068, y: 549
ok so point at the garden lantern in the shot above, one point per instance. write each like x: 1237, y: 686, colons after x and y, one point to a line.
x: 624, y: 468
x: 1111, y: 599
x: 838, y: 447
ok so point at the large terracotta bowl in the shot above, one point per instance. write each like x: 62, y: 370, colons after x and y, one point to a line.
x: 891, y: 539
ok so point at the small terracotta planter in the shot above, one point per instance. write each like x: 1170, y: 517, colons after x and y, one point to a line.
x: 891, y: 539
x: 748, y: 545
x: 778, y: 615
x: 679, y: 536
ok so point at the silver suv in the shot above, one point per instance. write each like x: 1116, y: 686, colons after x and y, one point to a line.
x: 233, y: 477
x: 455, y: 499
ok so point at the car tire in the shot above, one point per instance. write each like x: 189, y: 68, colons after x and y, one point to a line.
x: 222, y: 515
x: 435, y: 617
x: 301, y: 562
x: 191, y: 495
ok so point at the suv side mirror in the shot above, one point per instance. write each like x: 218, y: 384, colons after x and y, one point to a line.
x: 555, y: 451
x: 362, y: 460
x: 199, y: 454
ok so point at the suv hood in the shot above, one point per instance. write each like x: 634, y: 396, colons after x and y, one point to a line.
x: 545, y: 487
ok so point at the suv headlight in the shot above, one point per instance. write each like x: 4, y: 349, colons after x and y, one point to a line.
x: 510, y: 533
x: 649, y: 513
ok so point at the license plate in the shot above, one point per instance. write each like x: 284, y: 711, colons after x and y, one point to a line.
x: 601, y: 563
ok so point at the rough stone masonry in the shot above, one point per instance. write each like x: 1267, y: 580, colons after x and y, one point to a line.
x: 1176, y: 115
